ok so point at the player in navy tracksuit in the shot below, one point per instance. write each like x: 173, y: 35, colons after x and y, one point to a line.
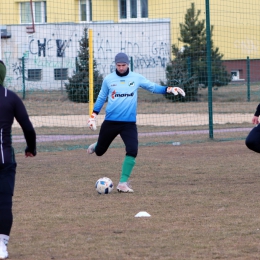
x: 11, y: 106
x: 253, y: 139
x: 120, y: 88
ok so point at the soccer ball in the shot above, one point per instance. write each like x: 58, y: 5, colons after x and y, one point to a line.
x: 104, y: 185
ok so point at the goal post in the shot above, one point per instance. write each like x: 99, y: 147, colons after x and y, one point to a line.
x: 91, y: 64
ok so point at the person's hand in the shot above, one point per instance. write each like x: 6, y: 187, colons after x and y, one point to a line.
x: 92, y: 122
x: 255, y: 120
x: 176, y: 91
x: 29, y: 155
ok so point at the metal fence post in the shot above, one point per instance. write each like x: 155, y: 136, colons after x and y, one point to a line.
x: 210, y: 106
x: 23, y: 77
x: 248, y: 78
x: 189, y: 66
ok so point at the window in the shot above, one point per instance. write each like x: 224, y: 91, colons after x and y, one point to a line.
x: 133, y: 9
x: 39, y: 12
x: 123, y: 9
x: 235, y: 75
x: 34, y: 74
x: 85, y: 10
x: 60, y: 74
x: 144, y: 8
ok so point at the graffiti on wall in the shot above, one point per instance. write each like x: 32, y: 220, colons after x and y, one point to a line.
x: 50, y: 50
x: 46, y: 46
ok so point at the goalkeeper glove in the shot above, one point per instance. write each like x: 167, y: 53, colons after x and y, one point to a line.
x: 92, y: 122
x: 176, y: 91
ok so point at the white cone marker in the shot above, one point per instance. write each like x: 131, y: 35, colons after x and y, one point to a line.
x: 142, y: 214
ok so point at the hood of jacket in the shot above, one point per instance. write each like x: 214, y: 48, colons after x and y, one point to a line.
x: 2, y: 73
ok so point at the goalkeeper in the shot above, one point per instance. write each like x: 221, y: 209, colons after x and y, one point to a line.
x: 120, y: 88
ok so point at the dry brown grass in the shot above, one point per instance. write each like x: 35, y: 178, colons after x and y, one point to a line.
x: 230, y: 99
x: 203, y: 200
x: 227, y: 101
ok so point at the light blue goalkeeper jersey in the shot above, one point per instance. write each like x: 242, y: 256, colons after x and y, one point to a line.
x: 121, y: 93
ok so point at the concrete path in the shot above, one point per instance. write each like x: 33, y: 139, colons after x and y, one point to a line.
x: 143, y: 119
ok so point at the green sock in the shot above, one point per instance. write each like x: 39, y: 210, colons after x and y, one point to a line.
x: 127, y: 168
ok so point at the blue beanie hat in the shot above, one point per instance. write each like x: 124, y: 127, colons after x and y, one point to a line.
x: 121, y: 58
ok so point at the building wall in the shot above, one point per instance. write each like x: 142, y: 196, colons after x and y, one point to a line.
x: 9, y: 13
x: 149, y: 48
x: 241, y: 67
x: 236, y: 23
x: 62, y: 11
x: 103, y: 10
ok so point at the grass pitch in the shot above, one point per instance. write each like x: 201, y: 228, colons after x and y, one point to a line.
x: 203, y: 200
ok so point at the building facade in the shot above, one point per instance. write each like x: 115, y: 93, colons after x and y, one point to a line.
x: 46, y: 34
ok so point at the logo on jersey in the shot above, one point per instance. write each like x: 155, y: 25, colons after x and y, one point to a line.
x: 113, y: 95
x: 131, y: 84
x: 122, y: 81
